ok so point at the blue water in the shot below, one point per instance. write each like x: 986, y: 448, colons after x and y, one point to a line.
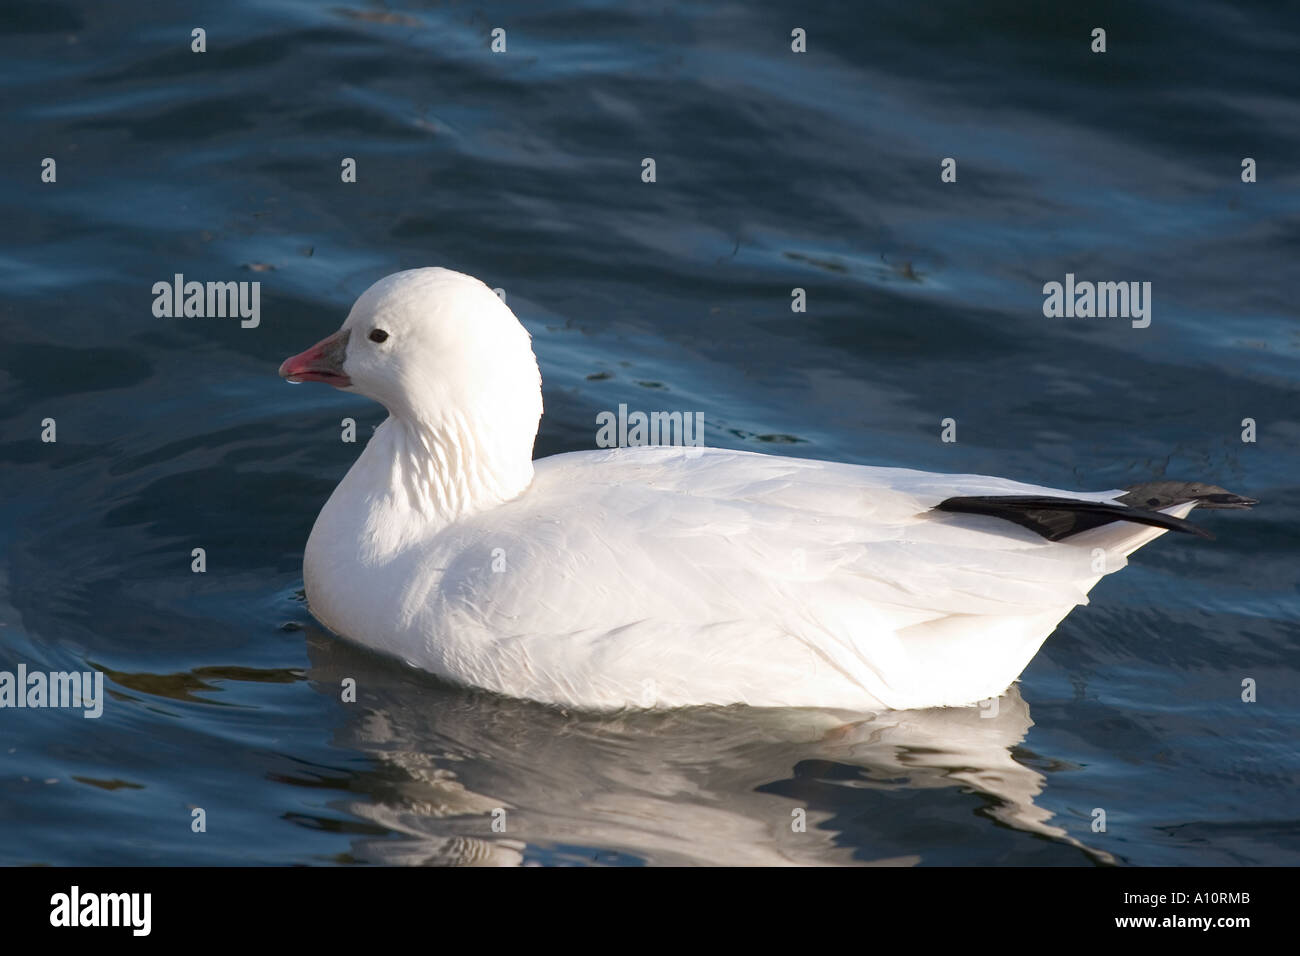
x: 774, y: 170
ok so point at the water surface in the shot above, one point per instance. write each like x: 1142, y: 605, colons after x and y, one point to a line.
x: 775, y: 171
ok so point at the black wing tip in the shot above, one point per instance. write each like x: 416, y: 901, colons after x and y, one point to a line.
x: 1059, y: 518
x: 1227, y: 501
x: 1163, y: 494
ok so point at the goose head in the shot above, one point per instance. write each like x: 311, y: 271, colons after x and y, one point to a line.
x: 451, y: 363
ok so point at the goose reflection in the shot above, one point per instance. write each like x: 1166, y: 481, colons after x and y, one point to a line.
x: 467, y: 778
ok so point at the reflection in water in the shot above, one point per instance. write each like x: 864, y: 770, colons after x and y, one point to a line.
x: 697, y: 786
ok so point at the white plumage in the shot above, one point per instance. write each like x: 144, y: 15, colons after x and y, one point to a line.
x: 656, y: 576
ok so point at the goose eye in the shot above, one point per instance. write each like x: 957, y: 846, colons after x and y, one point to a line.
x: 378, y: 335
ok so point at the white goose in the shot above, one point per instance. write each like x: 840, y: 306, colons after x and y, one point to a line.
x: 656, y: 576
